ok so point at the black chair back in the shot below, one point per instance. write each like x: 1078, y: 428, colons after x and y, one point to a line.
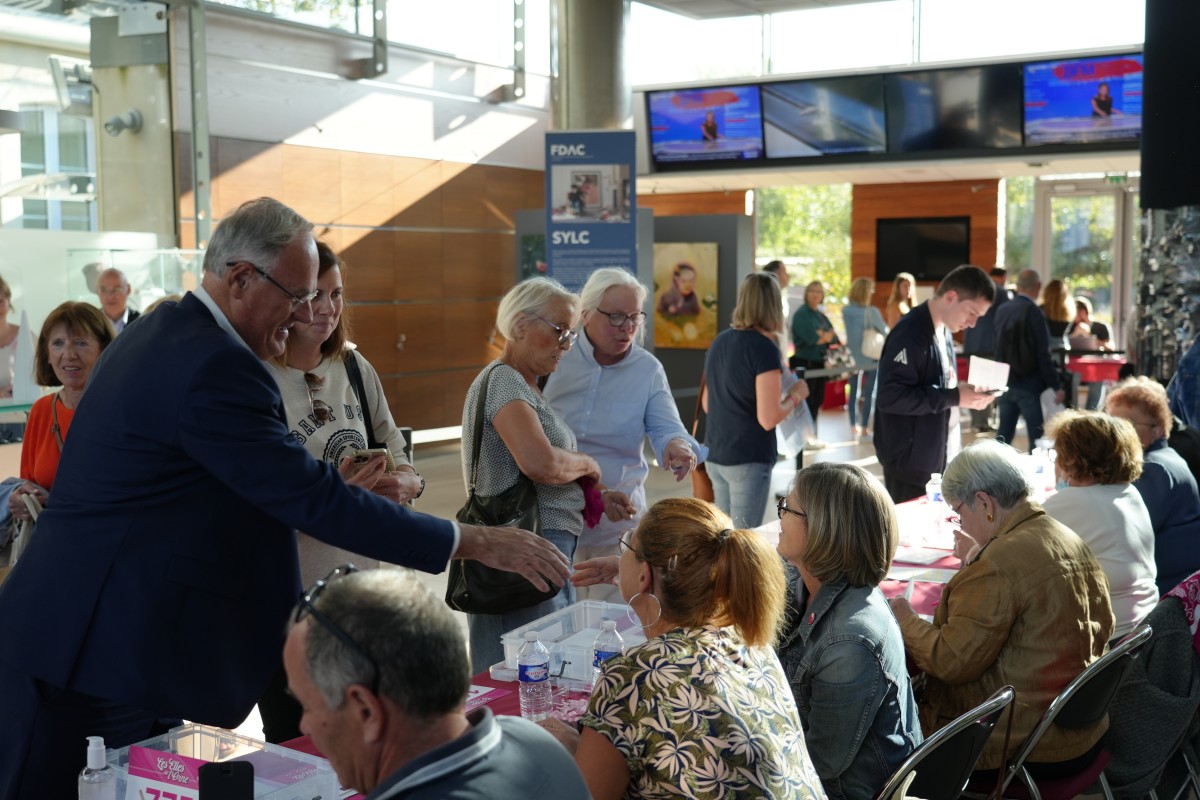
x: 944, y: 762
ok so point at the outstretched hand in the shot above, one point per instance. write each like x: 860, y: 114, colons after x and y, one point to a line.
x: 597, y: 571
x: 515, y: 550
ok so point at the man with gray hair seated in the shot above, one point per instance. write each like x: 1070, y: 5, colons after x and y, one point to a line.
x: 379, y: 666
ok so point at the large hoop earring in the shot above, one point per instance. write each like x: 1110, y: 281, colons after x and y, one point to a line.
x: 631, y: 615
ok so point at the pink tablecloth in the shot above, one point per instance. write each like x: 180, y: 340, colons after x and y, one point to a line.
x: 1096, y: 369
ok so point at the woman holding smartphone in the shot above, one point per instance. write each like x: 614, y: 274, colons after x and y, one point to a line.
x: 327, y: 410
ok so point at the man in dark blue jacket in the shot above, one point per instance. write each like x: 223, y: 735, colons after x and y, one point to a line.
x: 918, y: 392
x: 1020, y: 325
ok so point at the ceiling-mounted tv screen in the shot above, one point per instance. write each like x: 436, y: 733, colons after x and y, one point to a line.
x: 1084, y: 100
x: 704, y: 125
x: 824, y: 117
x: 925, y: 247
x: 969, y: 108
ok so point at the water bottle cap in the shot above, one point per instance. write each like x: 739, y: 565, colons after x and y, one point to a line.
x: 935, y: 476
x: 531, y: 636
x: 608, y: 624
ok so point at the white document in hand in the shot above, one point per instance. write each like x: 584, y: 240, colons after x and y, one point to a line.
x: 987, y: 375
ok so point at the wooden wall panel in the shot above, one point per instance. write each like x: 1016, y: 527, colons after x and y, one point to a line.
x: 428, y: 247
x: 679, y: 205
x: 976, y: 199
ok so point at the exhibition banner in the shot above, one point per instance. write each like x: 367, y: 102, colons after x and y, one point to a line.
x: 590, y: 204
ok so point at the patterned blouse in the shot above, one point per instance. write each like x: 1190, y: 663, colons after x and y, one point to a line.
x: 697, y: 714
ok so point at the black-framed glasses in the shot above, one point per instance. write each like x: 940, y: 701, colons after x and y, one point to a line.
x: 321, y: 410
x: 618, y: 320
x: 956, y: 520
x: 781, y: 508
x: 307, y: 607
x: 297, y: 301
x: 565, y: 335
x: 624, y: 540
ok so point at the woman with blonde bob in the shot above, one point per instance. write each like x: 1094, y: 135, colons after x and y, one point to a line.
x: 1166, y: 485
x: 1058, y: 308
x: 859, y: 317
x: 1029, y: 608
x: 523, y: 434
x: 841, y: 647
x: 745, y: 400
x: 1098, y: 459
x: 702, y: 708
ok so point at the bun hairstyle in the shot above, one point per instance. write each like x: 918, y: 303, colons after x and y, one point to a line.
x: 707, y: 573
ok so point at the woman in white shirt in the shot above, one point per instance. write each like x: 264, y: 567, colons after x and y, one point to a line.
x: 1098, y: 459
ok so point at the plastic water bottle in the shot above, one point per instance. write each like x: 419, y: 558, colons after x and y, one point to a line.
x: 533, y: 671
x: 98, y: 781
x: 608, y: 644
x: 933, y: 490
x: 1043, y: 466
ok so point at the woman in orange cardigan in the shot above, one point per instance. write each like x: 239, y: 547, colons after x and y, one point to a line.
x: 72, y: 338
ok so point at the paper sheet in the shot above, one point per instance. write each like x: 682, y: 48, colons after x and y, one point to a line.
x: 985, y: 374
x: 919, y: 555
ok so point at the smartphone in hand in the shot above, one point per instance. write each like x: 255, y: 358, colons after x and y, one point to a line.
x: 366, y: 454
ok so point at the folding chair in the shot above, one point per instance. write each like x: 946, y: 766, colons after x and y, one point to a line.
x: 1082, y: 704
x: 943, y: 763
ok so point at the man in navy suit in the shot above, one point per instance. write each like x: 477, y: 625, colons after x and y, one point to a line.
x: 159, y: 581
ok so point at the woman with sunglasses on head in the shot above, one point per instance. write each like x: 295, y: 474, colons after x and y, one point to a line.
x: 701, y: 709
x: 523, y: 434
x: 328, y: 416
x: 841, y: 648
x: 613, y: 395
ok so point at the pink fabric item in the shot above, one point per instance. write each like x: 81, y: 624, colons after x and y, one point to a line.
x: 593, y: 503
x: 1188, y: 593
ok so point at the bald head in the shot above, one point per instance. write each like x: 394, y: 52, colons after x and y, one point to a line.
x: 1029, y: 282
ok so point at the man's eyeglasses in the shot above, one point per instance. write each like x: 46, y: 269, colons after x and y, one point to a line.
x: 296, y: 300
x: 306, y: 607
x: 321, y: 410
x: 618, y: 320
x: 781, y: 508
x: 565, y: 335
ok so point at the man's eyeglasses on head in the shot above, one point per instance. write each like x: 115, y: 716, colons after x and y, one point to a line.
x: 618, y: 320
x: 307, y: 607
x: 297, y: 301
x: 565, y: 335
x: 781, y: 508
x: 320, y: 409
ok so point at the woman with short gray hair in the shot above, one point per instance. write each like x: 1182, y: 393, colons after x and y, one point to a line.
x: 523, y: 434
x: 1030, y: 608
x: 613, y: 394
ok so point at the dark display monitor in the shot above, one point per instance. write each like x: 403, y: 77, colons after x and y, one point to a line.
x: 969, y: 108
x: 826, y: 116
x: 926, y: 247
x: 1084, y: 100
x: 705, y: 125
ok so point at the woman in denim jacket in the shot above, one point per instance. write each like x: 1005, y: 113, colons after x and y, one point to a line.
x: 841, y: 647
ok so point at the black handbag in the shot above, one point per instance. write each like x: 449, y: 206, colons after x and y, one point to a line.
x: 473, y: 586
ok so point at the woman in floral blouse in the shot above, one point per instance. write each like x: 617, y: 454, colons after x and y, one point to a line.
x: 702, y: 709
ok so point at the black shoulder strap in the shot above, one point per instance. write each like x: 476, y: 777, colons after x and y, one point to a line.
x: 360, y: 391
x: 477, y: 435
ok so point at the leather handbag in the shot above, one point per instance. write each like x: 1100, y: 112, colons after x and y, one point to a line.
x: 872, y: 344
x: 473, y: 586
x: 702, y: 488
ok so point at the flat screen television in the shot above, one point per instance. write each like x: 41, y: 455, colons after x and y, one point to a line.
x: 824, y: 117
x: 926, y: 247
x: 689, y: 126
x: 968, y: 108
x: 1084, y: 100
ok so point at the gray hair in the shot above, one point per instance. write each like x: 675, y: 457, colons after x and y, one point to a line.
x: 411, y: 634
x: 990, y: 467
x: 1028, y: 280
x: 257, y: 232
x: 607, y: 278
x: 529, y: 298
x: 118, y: 273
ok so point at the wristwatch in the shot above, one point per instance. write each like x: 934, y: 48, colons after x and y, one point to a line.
x: 420, y: 491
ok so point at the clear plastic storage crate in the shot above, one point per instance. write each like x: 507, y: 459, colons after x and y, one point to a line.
x: 568, y: 635
x: 279, y: 773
